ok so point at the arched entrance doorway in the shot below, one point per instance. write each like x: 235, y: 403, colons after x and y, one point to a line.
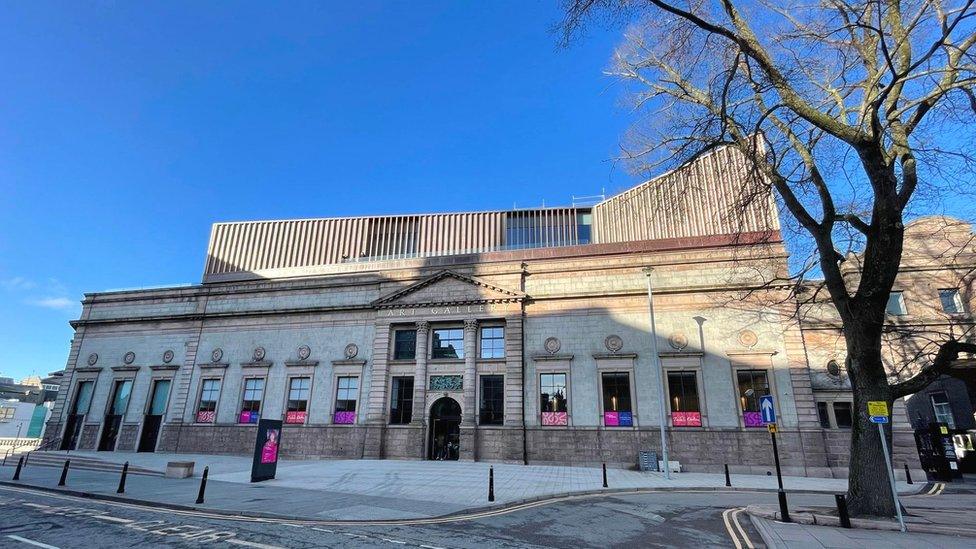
x: 445, y: 429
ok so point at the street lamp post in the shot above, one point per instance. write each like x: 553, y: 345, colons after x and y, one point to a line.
x: 656, y: 361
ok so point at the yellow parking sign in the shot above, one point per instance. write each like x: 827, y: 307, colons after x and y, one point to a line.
x: 877, y: 408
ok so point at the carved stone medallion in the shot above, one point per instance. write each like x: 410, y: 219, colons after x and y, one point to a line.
x: 678, y: 341
x: 833, y: 368
x: 217, y: 354
x: 613, y: 343
x: 351, y: 350
x: 92, y: 359
x: 168, y: 357
x: 129, y: 357
x: 748, y: 338
x: 259, y: 354
x: 304, y: 352
x: 552, y: 345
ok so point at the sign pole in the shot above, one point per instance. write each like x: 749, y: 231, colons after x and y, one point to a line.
x: 891, y: 476
x: 656, y: 361
x: 784, y: 510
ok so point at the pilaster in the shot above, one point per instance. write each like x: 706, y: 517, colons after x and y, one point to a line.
x: 419, y: 414
x: 469, y: 440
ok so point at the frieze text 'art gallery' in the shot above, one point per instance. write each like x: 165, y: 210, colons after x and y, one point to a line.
x: 518, y: 336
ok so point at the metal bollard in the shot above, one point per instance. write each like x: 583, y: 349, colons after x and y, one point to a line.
x: 728, y: 479
x: 845, y: 519
x: 605, y: 476
x: 125, y: 471
x: 20, y: 465
x: 491, y: 484
x: 26, y: 458
x: 203, y: 485
x: 908, y: 475
x: 64, y: 472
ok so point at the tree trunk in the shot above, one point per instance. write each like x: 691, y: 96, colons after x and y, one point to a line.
x: 869, y: 492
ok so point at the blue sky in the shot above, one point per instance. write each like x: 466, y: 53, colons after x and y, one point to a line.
x: 127, y: 128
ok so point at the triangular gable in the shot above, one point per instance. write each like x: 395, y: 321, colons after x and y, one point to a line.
x: 448, y: 287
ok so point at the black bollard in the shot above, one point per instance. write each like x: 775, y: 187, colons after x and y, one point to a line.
x: 125, y: 471
x: 908, y: 475
x: 491, y: 484
x: 20, y: 465
x: 26, y: 458
x: 728, y: 479
x: 605, y: 476
x: 64, y: 472
x: 203, y: 485
x: 845, y: 519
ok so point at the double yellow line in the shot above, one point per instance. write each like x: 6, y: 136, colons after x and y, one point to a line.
x: 738, y: 534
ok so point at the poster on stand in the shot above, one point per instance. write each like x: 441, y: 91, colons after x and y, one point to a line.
x: 266, y: 449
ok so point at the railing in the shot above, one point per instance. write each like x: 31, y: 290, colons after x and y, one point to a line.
x: 15, y: 443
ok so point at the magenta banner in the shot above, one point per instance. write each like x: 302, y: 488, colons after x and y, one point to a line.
x: 344, y: 418
x: 555, y: 418
x: 752, y: 419
x: 249, y: 417
x: 686, y: 419
x: 295, y: 417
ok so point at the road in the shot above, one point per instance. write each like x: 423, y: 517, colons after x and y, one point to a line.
x: 678, y: 519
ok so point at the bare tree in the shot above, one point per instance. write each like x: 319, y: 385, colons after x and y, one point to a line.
x: 854, y: 112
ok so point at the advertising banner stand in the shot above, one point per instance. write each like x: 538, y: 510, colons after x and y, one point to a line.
x: 266, y: 449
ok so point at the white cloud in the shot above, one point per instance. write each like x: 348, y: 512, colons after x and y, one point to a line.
x: 60, y: 303
x: 18, y: 283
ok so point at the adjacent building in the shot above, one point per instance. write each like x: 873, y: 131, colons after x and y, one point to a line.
x: 519, y: 336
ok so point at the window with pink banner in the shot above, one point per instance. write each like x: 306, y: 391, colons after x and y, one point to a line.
x: 298, y: 391
x: 552, y: 399
x: 207, y: 409
x: 752, y: 384
x: 347, y: 392
x: 683, y: 399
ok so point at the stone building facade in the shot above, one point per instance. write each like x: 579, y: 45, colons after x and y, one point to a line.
x: 519, y: 336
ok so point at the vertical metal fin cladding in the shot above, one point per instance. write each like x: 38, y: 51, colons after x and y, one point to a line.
x: 714, y: 195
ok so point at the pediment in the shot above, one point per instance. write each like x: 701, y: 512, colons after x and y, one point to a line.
x: 448, y: 287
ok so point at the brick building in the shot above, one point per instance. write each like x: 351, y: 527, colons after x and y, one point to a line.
x: 502, y: 336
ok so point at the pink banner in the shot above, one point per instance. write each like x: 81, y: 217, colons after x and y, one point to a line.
x: 269, y: 452
x: 206, y: 417
x: 344, y: 418
x: 249, y: 417
x: 611, y: 419
x: 686, y: 419
x: 752, y: 419
x: 555, y: 418
x: 295, y: 417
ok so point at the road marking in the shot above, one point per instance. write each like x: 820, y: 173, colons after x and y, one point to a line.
x: 324, y: 530
x: 742, y: 531
x: 113, y: 519
x: 32, y: 542
x: 252, y: 544
x: 431, y: 547
x: 394, y: 541
x: 728, y: 528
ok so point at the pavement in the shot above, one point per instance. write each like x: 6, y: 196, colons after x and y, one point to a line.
x: 347, y: 490
x: 943, y: 515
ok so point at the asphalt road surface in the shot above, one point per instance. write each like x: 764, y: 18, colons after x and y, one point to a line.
x: 677, y: 519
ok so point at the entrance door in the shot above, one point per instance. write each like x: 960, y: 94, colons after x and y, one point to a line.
x: 154, y: 416
x: 72, y: 429
x: 445, y: 430
x: 113, y: 419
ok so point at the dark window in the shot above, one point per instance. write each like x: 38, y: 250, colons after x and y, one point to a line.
x: 752, y: 385
x: 251, y: 404
x: 842, y: 415
x: 404, y: 344
x: 448, y: 343
x: 492, y: 342
x: 553, y: 392
x: 492, y: 411
x: 823, y: 415
x: 683, y: 397
x: 346, y: 394
x: 616, y: 400
x: 951, y: 302
x: 584, y: 226
x: 83, y: 397
x: 896, y: 304
x: 401, y: 408
x: 120, y: 398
